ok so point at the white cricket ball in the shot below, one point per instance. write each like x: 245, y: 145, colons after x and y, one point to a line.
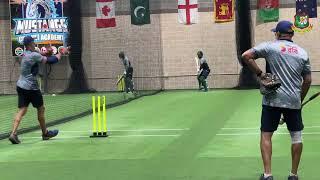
x: 53, y: 94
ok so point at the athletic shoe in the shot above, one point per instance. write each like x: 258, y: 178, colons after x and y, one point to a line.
x: 293, y: 178
x: 13, y: 138
x: 267, y: 178
x: 50, y: 134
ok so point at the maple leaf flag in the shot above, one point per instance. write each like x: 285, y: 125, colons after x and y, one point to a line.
x: 105, y: 10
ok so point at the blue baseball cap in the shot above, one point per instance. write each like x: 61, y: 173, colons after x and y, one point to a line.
x: 283, y: 27
x: 27, y: 40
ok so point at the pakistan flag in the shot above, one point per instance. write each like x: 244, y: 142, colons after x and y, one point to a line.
x: 140, y: 13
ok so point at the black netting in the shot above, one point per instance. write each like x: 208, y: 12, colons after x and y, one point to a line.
x: 78, y: 81
x: 247, y: 79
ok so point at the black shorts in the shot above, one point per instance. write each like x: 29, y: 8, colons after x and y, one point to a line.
x: 270, y: 118
x: 27, y: 96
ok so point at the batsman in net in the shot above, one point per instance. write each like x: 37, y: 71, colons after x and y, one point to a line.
x: 203, y: 71
x: 127, y: 74
x: 283, y: 90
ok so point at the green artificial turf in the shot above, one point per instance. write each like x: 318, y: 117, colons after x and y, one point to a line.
x: 179, y: 135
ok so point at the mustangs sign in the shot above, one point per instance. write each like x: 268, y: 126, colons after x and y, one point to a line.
x: 42, y: 19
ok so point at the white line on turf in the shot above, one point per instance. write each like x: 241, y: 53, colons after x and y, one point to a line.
x: 279, y: 133
x: 280, y: 127
x: 129, y: 130
x: 110, y: 136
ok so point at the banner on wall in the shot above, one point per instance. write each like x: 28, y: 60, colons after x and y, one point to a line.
x: 105, y: 11
x: 140, y: 13
x: 42, y: 19
x: 308, y: 7
x: 302, y: 23
x: 268, y: 10
x: 188, y: 12
x: 223, y: 10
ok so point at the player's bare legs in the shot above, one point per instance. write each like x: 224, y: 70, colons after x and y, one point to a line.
x: 22, y: 111
x: 46, y: 134
x: 41, y: 119
x: 266, y: 150
x: 296, y: 151
x: 13, y: 137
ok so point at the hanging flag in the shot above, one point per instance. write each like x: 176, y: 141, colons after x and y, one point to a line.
x: 140, y: 13
x: 268, y: 10
x: 105, y: 10
x: 302, y: 23
x: 188, y: 11
x: 224, y: 10
x: 308, y: 7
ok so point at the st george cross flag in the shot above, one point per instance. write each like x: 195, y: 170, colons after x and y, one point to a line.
x: 224, y: 10
x: 188, y: 11
x: 307, y: 7
x: 105, y: 10
x: 268, y: 10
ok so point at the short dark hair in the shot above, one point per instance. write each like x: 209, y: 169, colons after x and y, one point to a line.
x: 200, y: 54
x: 121, y: 54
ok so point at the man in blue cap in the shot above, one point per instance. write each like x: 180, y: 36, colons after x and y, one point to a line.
x: 28, y: 89
x: 291, y: 64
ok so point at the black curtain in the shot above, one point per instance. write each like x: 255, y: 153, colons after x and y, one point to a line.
x: 247, y: 79
x: 78, y: 79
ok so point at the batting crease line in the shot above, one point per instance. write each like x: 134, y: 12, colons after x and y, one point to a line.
x: 110, y: 136
x: 126, y: 130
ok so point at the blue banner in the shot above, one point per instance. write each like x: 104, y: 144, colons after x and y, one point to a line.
x: 44, y: 20
x: 307, y: 7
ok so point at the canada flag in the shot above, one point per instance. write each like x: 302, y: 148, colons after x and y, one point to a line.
x: 106, y: 16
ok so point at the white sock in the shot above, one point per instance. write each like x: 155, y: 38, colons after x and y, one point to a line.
x: 291, y: 174
x: 266, y: 175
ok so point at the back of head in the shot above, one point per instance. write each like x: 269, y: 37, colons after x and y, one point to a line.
x: 121, y: 55
x: 200, y: 54
x: 284, y: 29
x: 27, y: 40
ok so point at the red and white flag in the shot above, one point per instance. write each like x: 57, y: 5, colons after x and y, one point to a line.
x: 106, y: 16
x: 188, y: 11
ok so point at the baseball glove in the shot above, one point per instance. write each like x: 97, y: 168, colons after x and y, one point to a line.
x: 269, y: 83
